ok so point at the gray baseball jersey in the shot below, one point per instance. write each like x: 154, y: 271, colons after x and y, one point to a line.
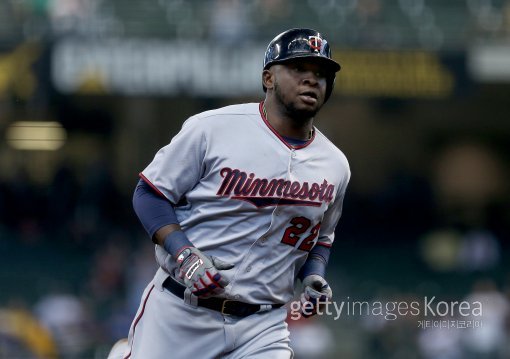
x: 249, y: 198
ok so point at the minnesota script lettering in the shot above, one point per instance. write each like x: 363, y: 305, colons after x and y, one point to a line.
x: 263, y: 192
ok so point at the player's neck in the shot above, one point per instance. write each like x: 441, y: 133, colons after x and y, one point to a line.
x: 285, y: 125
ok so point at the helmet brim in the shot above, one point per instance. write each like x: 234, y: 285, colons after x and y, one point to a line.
x: 329, y: 64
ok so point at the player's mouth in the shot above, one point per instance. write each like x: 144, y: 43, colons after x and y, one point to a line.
x: 308, y: 97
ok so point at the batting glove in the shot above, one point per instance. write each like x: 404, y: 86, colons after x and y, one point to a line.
x: 200, y: 272
x: 316, y: 292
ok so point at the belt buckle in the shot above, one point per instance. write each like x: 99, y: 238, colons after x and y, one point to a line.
x: 223, y: 306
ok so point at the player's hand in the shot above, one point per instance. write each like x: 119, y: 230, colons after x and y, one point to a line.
x: 200, y: 272
x: 316, y: 292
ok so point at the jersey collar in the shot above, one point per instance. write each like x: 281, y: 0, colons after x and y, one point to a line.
x: 280, y: 137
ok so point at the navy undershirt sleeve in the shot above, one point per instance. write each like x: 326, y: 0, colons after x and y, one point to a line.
x: 316, y: 262
x: 154, y: 212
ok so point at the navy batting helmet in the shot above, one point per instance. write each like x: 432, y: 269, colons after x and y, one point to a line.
x: 302, y: 43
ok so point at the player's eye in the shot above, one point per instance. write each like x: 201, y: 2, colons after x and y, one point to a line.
x: 320, y: 74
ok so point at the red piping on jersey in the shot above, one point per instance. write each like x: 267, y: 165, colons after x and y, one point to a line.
x: 261, y: 110
x: 150, y: 184
x: 137, y: 320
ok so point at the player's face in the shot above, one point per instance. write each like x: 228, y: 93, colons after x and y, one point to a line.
x: 300, y: 86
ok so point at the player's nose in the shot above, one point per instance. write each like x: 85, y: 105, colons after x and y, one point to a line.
x: 310, y: 78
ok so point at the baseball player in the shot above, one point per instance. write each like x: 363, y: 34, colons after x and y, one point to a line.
x: 242, y: 202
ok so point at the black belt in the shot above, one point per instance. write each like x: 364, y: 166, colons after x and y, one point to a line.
x: 224, y: 306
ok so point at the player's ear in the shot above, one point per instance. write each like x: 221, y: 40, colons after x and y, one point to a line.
x: 268, y: 78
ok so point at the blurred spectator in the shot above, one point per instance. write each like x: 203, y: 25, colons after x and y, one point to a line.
x: 440, y: 249
x: 22, y: 336
x: 68, y: 15
x: 274, y: 16
x: 467, y: 178
x: 489, y: 340
x: 69, y: 322
x: 310, y: 338
x: 368, y: 10
x: 230, y: 22
x: 468, y: 250
x: 108, y: 269
x: 440, y: 343
x: 480, y: 251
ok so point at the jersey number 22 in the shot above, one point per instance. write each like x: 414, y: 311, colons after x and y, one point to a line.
x: 299, y: 226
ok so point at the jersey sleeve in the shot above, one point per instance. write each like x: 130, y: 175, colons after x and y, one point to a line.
x: 332, y: 216
x: 178, y: 167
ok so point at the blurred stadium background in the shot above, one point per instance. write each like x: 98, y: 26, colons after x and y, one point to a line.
x: 90, y: 89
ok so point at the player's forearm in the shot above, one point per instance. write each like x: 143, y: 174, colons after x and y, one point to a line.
x: 173, y: 239
x: 316, y: 262
x: 163, y: 232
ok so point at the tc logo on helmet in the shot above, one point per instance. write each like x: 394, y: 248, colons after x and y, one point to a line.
x: 315, y: 43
